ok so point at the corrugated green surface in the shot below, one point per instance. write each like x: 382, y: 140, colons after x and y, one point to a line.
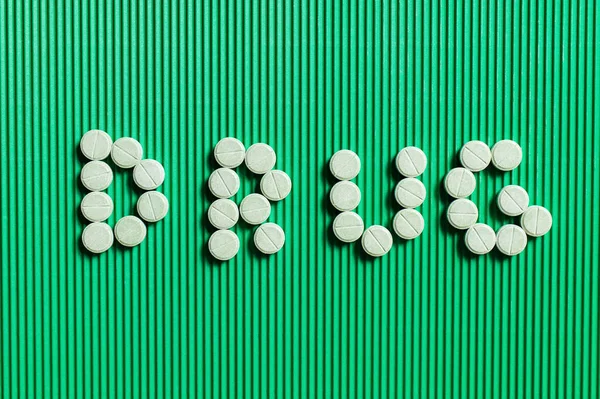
x: 308, y: 77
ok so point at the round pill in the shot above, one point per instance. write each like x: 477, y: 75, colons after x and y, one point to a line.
x: 130, y: 231
x: 408, y: 224
x: 97, y: 207
x: 260, y: 158
x: 536, y: 221
x: 230, y: 152
x: 410, y: 193
x: 148, y: 174
x: 269, y: 238
x: 480, y: 239
x: 96, y: 175
x: 513, y: 200
x: 152, y: 206
x: 126, y: 152
x: 462, y: 214
x: 275, y: 185
x: 223, y: 244
x: 460, y: 183
x: 255, y: 209
x: 223, y: 214
x: 95, y: 145
x: 411, y: 162
x: 511, y: 240
x: 377, y: 241
x: 224, y: 183
x: 344, y: 196
x: 344, y: 165
x: 475, y: 155
x: 97, y: 237
x: 348, y: 226
x: 506, y: 155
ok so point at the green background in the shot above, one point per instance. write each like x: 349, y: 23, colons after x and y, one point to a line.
x: 319, y: 319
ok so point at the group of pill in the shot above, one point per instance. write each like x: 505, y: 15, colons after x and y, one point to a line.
x: 345, y: 196
x: 97, y: 206
x: 254, y: 209
x: 513, y: 200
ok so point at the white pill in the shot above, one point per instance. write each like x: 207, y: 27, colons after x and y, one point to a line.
x: 130, y: 231
x: 255, y: 209
x: 506, y: 155
x: 511, y: 240
x: 260, y: 158
x: 411, y: 162
x: 410, y: 193
x: 480, y: 239
x: 513, y: 200
x: 97, y: 237
x: 230, y: 152
x: 96, y: 175
x: 152, y: 206
x: 475, y: 155
x: 126, y: 152
x: 348, y: 226
x: 223, y: 183
x: 462, y: 214
x: 148, y: 174
x: 344, y: 196
x: 460, y: 183
x: 97, y: 207
x: 408, y: 224
x: 275, y: 185
x: 223, y: 244
x: 344, y: 165
x: 269, y: 238
x: 377, y: 241
x: 536, y: 221
x: 223, y: 214
x: 95, y: 145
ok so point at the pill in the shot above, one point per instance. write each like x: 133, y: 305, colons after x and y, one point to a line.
x: 126, y: 152
x: 513, y: 200
x: 224, y: 183
x: 275, y: 185
x: 96, y: 175
x: 410, y: 192
x: 536, y: 221
x: 411, y: 162
x: 223, y: 214
x: 269, y: 238
x: 255, y: 209
x: 460, y: 183
x: 348, y: 226
x: 480, y: 239
x: 95, y: 145
x: 230, y: 152
x: 97, y: 237
x: 506, y: 155
x: 408, y: 224
x: 475, y: 155
x: 223, y: 244
x: 130, y: 231
x: 148, y: 174
x: 377, y: 241
x: 152, y: 206
x: 97, y: 207
x: 511, y: 240
x: 344, y: 196
x: 462, y: 214
x: 344, y: 165
x: 260, y: 158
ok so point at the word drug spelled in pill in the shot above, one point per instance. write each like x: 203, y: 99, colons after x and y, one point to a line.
x: 344, y: 196
x: 224, y: 183
x: 275, y: 185
x: 377, y: 241
x: 511, y: 240
x: 148, y: 174
x: 97, y: 237
x: 408, y: 224
x: 480, y: 239
x: 348, y: 226
x: 223, y: 214
x: 513, y: 200
x: 152, y: 206
x: 344, y: 165
x: 507, y: 155
x: 536, y: 221
x: 255, y: 209
x: 126, y: 152
x: 230, y: 152
x: 96, y: 175
x: 130, y: 231
x: 475, y: 155
x: 460, y: 183
x: 223, y: 244
x: 260, y: 158
x: 269, y: 238
x: 95, y: 145
x: 97, y: 206
x: 410, y: 193
x: 411, y: 162
x: 462, y: 214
